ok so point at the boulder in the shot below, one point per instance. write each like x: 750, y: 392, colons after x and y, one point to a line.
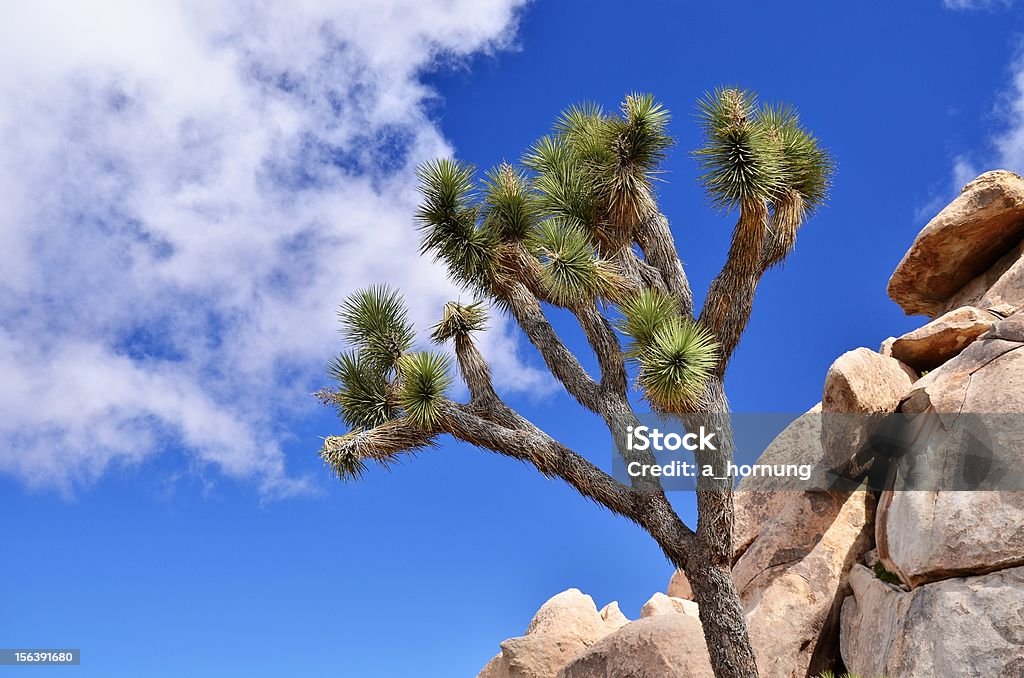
x: 679, y: 586
x: 1000, y: 288
x: 795, y: 544
x: 967, y: 427
x: 564, y: 626
x: 662, y: 604
x: 792, y: 579
x: 964, y: 240
x: 758, y: 500
x: 971, y: 627
x: 862, y: 387
x: 662, y: 646
x: 612, y: 616
x: 943, y: 338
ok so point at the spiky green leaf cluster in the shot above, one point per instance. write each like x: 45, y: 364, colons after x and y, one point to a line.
x: 448, y: 216
x: 740, y: 159
x: 806, y: 166
x: 510, y: 207
x: 758, y: 153
x: 564, y: 184
x: 571, y: 271
x: 363, y: 400
x: 424, y: 379
x: 459, y: 319
x: 643, y: 314
x: 676, y: 365
x: 675, y: 355
x: 381, y: 380
x: 596, y: 169
x: 375, y: 321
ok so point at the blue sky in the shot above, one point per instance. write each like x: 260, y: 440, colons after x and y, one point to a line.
x: 189, y: 192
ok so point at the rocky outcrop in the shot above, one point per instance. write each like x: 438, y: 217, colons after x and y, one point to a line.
x: 941, y: 529
x: 943, y: 338
x: 951, y: 528
x: 759, y: 500
x: 964, y: 240
x: 563, y: 627
x: 662, y: 604
x: 1000, y: 289
x: 971, y: 627
x: 679, y: 586
x: 867, y: 385
x: 792, y: 580
x: 795, y: 546
x: 661, y: 646
x: 612, y: 616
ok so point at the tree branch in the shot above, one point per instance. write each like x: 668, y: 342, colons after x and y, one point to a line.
x: 651, y: 511
x: 475, y: 371
x: 655, y: 239
x: 560, y: 360
x: 730, y: 298
x: 602, y: 339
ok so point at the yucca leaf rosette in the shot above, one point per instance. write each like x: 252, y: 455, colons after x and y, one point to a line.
x: 448, y: 216
x: 376, y: 322
x: 363, y: 399
x: 458, y: 319
x: 424, y: 379
x: 675, y: 356
x: 571, y: 271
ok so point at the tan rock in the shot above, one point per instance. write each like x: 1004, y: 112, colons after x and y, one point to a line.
x: 759, y: 500
x: 793, y: 577
x: 943, y: 338
x: 662, y: 604
x: 564, y: 626
x: 965, y: 239
x: 928, y: 527
x: 613, y: 617
x: 679, y: 586
x: 662, y: 646
x: 1000, y: 288
x: 1010, y: 329
x: 886, y: 347
x: 494, y: 668
x: 972, y: 627
x: 863, y: 383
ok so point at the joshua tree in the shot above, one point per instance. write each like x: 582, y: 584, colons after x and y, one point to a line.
x: 578, y: 227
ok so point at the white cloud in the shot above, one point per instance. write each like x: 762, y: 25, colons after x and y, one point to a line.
x: 188, y: 192
x: 1003, y: 148
x: 1010, y: 141
x: 976, y: 4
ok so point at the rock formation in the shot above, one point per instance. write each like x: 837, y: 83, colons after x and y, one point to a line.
x: 563, y: 627
x: 662, y: 646
x: 861, y: 389
x: 943, y: 338
x: 964, y: 241
x: 970, y: 627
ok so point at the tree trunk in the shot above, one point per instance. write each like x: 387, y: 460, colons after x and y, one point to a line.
x: 709, y: 568
x: 725, y: 629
